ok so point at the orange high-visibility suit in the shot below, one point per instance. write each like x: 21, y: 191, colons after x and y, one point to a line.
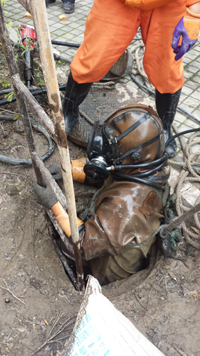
x: 110, y: 28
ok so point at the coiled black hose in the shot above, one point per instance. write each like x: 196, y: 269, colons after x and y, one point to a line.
x: 28, y: 162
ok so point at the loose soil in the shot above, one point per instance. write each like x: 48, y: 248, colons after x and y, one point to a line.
x: 36, y: 296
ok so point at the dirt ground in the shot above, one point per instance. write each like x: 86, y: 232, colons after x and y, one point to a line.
x: 38, y: 304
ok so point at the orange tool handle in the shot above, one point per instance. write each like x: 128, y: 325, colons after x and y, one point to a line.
x: 63, y: 218
x: 78, y: 173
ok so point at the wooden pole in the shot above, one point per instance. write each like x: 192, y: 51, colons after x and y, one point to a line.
x: 23, y: 91
x: 39, y: 15
x: 13, y: 70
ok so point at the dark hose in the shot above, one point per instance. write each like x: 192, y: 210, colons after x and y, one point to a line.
x: 180, y: 134
x: 132, y: 178
x: 76, y: 45
x: 43, y: 90
x: 19, y: 161
x: 152, y: 92
x: 8, y: 117
x: 68, y: 44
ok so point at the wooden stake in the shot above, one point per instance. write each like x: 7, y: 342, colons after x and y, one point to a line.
x: 39, y: 14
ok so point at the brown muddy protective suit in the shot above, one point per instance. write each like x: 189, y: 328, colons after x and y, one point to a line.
x: 118, y: 238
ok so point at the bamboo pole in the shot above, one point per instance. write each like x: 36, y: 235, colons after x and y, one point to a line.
x: 39, y: 15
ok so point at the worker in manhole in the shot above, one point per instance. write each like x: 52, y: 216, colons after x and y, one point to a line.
x: 169, y: 28
x: 127, y: 153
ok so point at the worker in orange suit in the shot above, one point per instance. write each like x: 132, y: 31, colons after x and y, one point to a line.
x: 168, y: 28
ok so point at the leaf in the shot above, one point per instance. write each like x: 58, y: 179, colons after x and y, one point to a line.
x: 9, y: 96
x: 16, y: 117
x: 9, y: 24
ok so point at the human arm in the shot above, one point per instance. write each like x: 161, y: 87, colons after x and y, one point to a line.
x: 187, y: 30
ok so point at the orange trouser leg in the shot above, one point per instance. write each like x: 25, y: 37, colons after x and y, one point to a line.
x: 110, y: 28
x: 163, y: 71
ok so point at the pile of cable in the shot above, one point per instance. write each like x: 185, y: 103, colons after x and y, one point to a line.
x: 190, y: 173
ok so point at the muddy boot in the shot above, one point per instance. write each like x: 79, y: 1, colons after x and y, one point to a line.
x: 74, y: 95
x: 48, y: 2
x: 166, y: 105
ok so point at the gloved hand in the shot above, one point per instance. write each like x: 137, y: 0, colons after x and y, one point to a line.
x: 45, y: 195
x: 188, y: 28
x: 55, y: 170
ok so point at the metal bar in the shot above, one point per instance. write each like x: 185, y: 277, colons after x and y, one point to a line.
x: 39, y: 15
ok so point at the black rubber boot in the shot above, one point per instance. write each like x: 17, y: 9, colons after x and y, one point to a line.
x: 69, y: 7
x: 48, y: 2
x: 166, y: 105
x: 74, y: 95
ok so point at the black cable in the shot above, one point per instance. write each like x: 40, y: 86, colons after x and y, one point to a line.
x: 67, y: 44
x: 19, y: 161
x: 6, y: 91
x: 140, y: 84
x: 148, y: 173
x: 10, y: 90
x: 8, y: 117
x: 141, y: 165
x: 123, y: 176
x: 43, y: 90
x: 179, y: 134
x: 76, y: 45
x: 153, y: 93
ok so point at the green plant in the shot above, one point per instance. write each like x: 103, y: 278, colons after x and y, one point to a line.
x: 4, y: 83
x: 9, y: 24
x: 28, y: 46
x: 42, y: 82
x: 9, y: 96
x: 37, y: 72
